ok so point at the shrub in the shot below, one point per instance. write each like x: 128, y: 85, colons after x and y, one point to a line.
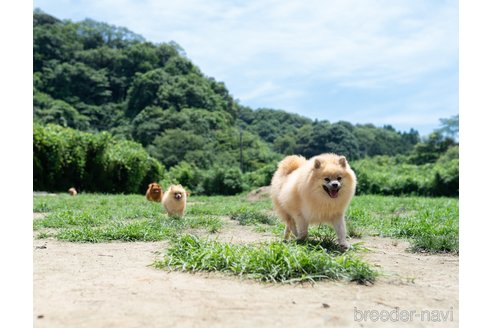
x: 395, y: 176
x: 223, y: 181
x: 189, y: 176
x: 63, y: 157
x: 261, y: 177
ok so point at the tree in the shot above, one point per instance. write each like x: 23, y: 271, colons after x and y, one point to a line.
x: 140, y: 57
x: 143, y: 91
x: 149, y: 123
x: 172, y: 145
x: 98, y: 34
x: 285, y: 144
x: 53, y: 40
x: 189, y: 91
x: 340, y: 140
x: 431, y: 148
x: 77, y: 83
x: 450, y: 127
x: 110, y: 60
x: 47, y: 110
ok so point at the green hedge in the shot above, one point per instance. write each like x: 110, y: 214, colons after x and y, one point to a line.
x: 395, y: 176
x: 63, y: 157
x: 214, y: 181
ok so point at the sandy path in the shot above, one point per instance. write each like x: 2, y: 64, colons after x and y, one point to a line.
x: 111, y: 285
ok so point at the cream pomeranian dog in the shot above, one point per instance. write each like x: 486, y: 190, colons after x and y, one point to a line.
x: 313, y: 191
x: 174, y: 200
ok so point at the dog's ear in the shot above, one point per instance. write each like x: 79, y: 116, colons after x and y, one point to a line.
x: 150, y: 185
x: 317, y: 163
x: 188, y: 193
x: 343, y: 161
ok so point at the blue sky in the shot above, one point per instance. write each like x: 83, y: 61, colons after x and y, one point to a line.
x: 364, y: 61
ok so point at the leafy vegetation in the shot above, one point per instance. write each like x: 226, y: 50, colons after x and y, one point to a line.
x: 64, y: 157
x: 273, y: 261
x: 399, y: 176
x: 98, y: 218
x: 111, y: 83
x: 114, y: 112
x: 431, y: 224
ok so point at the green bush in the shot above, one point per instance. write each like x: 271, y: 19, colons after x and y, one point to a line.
x: 446, y: 173
x: 261, y: 177
x: 215, y: 181
x: 155, y: 172
x: 189, y: 176
x: 59, y: 157
x: 223, y: 181
x: 63, y: 157
x: 395, y: 176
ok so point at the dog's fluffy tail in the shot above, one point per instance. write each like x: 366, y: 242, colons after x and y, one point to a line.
x: 290, y: 164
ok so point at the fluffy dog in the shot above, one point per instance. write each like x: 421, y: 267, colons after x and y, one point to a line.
x: 72, y: 191
x: 174, y: 200
x: 313, y: 191
x: 154, y: 192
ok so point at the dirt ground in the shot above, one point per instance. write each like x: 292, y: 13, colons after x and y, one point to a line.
x: 112, y: 285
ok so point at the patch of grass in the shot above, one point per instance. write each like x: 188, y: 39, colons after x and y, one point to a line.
x: 99, y: 218
x: 261, y: 229
x: 248, y: 217
x: 213, y: 224
x: 141, y: 230
x: 43, y: 235
x: 225, y: 205
x: 354, y: 231
x: 41, y: 206
x: 430, y: 224
x: 272, y: 262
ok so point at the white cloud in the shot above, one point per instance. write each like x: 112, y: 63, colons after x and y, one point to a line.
x: 342, y: 40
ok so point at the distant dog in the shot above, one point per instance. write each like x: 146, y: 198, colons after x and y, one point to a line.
x: 154, y: 192
x: 174, y: 200
x: 72, y: 191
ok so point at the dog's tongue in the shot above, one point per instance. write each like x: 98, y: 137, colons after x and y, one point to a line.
x: 333, y: 193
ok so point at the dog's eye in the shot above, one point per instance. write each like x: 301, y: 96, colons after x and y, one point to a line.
x: 339, y: 178
x: 327, y: 179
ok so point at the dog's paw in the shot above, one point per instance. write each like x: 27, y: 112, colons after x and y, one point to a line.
x: 345, y: 246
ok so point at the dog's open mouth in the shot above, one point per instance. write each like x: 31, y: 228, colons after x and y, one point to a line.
x: 333, y: 193
x: 156, y: 191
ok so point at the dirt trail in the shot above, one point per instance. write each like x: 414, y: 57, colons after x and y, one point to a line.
x: 112, y: 285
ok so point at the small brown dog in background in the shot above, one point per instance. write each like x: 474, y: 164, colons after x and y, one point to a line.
x: 174, y: 200
x: 154, y: 192
x: 72, y: 191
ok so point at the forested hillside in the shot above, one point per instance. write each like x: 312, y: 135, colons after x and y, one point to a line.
x: 94, y: 77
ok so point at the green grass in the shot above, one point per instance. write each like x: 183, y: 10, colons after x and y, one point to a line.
x: 273, y: 261
x: 100, y: 218
x: 248, y: 217
x: 430, y: 224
